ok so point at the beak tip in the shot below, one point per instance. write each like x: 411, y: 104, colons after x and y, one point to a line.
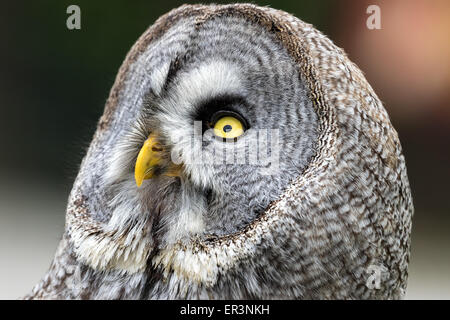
x: 138, y: 181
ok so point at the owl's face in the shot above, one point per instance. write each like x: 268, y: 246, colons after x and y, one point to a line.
x: 223, y: 123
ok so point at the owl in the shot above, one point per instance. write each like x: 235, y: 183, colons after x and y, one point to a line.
x: 241, y: 155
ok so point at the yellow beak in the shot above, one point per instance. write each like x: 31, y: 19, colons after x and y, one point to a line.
x: 149, y: 158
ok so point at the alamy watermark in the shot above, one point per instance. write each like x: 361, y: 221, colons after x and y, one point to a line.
x: 376, y: 274
x: 261, y: 148
x: 74, y: 19
x: 374, y: 20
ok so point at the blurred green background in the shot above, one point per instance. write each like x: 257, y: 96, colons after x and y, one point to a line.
x: 54, y: 83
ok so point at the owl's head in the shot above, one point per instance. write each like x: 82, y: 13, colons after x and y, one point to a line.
x: 233, y: 135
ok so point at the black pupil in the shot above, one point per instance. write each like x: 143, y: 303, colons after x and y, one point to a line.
x: 227, y: 128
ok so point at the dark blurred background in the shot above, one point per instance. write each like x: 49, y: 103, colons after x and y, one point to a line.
x: 54, y: 82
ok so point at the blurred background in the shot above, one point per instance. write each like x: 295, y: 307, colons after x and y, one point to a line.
x: 54, y: 83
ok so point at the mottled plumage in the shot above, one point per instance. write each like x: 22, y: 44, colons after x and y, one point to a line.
x: 338, y: 206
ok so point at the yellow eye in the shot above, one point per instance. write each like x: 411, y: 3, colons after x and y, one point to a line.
x: 228, y: 127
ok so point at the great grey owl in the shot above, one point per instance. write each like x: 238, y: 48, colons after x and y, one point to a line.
x: 240, y: 155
